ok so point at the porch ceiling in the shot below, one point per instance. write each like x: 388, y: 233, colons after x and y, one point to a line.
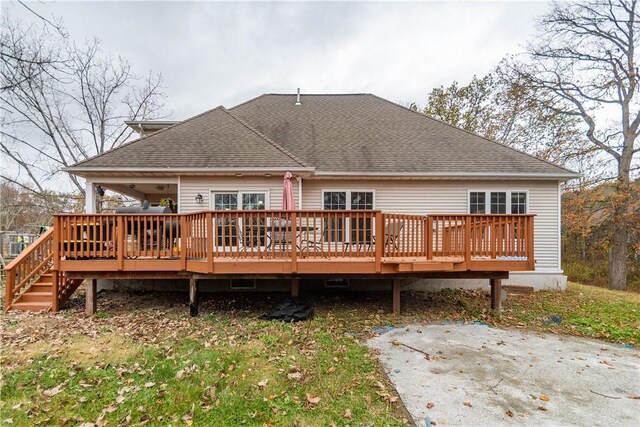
x: 139, y: 190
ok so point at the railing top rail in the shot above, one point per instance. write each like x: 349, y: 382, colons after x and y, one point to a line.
x: 481, y: 215
x: 280, y: 211
x: 114, y: 214
x: 31, y: 248
x: 236, y: 211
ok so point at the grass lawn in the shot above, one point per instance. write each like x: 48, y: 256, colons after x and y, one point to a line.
x: 143, y: 360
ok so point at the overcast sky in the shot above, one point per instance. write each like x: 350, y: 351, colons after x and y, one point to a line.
x: 213, y: 53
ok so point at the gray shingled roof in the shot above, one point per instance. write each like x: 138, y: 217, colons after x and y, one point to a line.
x: 331, y: 133
x: 365, y: 133
x: 214, y: 139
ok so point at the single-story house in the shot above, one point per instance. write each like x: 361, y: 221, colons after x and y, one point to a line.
x: 446, y: 192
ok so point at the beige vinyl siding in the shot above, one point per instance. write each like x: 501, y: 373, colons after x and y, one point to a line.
x: 423, y: 197
x: 191, y: 186
x: 411, y: 197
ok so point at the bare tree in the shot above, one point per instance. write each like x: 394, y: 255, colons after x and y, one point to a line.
x: 73, y: 111
x: 583, y: 65
x: 18, y: 49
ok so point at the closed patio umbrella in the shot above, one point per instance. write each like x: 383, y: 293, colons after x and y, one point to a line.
x: 287, y: 193
x: 282, y: 235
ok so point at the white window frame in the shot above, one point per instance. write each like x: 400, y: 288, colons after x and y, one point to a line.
x: 487, y: 199
x: 239, y: 193
x: 347, y: 236
x: 348, y: 193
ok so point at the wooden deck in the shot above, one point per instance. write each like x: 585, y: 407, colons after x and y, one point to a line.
x: 267, y: 244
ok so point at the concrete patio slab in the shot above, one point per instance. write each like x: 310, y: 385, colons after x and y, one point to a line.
x: 476, y: 375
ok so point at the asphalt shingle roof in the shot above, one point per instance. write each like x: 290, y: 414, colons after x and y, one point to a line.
x: 214, y: 139
x: 332, y: 133
x: 365, y: 133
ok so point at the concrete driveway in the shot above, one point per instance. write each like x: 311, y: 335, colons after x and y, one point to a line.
x: 475, y: 375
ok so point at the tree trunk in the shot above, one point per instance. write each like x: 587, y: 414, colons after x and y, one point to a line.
x: 620, y: 242
x: 618, y: 258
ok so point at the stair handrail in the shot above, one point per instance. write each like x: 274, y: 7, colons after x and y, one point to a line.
x: 11, y: 288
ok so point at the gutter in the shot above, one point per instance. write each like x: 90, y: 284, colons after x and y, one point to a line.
x: 449, y: 175
x: 72, y: 169
x: 313, y: 173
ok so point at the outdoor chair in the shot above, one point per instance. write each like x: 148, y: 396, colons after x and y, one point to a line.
x: 280, y: 233
x: 361, y: 235
x: 315, y: 241
x: 391, y: 234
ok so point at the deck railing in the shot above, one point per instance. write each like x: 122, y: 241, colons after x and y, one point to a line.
x: 281, y: 234
x: 28, y: 266
x: 292, y: 235
x: 501, y: 237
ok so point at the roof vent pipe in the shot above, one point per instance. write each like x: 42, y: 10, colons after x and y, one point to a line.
x: 298, y: 98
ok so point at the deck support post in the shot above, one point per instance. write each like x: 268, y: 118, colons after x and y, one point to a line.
x: 295, y: 287
x: 193, y: 297
x: 496, y: 289
x: 395, y: 288
x: 91, y: 297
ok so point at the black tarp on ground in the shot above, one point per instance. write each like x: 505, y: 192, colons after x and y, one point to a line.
x: 291, y: 310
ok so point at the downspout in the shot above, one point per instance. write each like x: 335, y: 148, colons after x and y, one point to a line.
x: 299, y: 193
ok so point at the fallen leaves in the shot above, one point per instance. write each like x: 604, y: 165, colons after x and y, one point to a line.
x: 544, y: 398
x: 191, y: 369
x: 347, y: 413
x: 430, y: 405
x: 262, y: 384
x: 468, y: 404
x: 312, y: 400
x: 188, y: 418
x: 295, y: 376
x: 53, y: 391
x: 509, y: 414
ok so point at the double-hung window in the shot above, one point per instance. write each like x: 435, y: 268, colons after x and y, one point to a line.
x: 498, y: 202
x: 235, y: 200
x: 518, y: 202
x: 227, y: 229
x: 348, y: 200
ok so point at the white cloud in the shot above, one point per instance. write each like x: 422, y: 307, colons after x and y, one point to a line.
x: 225, y: 53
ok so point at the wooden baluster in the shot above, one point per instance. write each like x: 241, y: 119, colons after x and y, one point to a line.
x: 417, y: 236
x: 294, y: 246
x: 56, y: 242
x: 209, y: 241
x: 120, y: 242
x: 467, y: 246
x: 185, y: 225
x: 379, y: 234
x: 55, y: 299
x: 521, y: 236
x: 73, y: 250
x: 9, y: 285
x: 156, y: 234
x: 428, y: 238
x: 530, y: 243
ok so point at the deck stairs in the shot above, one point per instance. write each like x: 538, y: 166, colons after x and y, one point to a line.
x: 31, y: 283
x: 38, y: 297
